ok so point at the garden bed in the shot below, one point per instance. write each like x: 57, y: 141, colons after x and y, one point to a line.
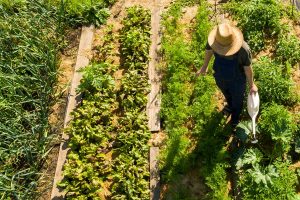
x: 110, y: 133
x: 198, y: 137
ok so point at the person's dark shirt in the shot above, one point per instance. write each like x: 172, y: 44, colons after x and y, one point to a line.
x: 244, y: 55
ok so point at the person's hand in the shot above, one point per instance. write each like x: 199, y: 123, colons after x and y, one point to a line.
x: 253, y: 88
x: 201, y: 71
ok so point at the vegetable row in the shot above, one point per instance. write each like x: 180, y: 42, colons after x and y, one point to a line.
x: 109, y: 132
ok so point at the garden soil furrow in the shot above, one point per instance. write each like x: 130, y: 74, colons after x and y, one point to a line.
x: 56, y: 119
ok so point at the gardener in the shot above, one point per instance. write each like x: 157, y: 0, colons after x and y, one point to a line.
x: 231, y: 67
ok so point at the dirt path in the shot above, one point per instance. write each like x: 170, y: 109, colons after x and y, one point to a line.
x: 56, y: 118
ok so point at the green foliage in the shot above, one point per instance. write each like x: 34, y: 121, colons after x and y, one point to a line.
x: 288, y: 49
x: 202, y: 28
x: 202, y: 106
x: 258, y: 19
x: 193, y: 128
x: 73, y: 13
x: 28, y: 73
x: 85, y: 12
x: 12, y: 5
x: 88, y: 166
x: 251, y: 157
x: 175, y: 10
x: 109, y: 132
x: 92, y: 82
x: 135, y: 38
x: 217, y: 183
x: 271, y: 182
x: 244, y: 131
x: 297, y: 133
x: 177, y: 92
x: 290, y: 11
x: 277, y: 123
x: 274, y: 84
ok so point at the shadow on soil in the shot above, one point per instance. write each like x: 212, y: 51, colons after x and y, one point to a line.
x: 188, y: 176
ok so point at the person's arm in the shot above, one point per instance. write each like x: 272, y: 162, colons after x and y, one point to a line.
x: 203, y: 69
x: 249, y: 76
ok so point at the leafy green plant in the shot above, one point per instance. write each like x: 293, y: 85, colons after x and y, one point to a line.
x: 271, y: 182
x: 85, y: 12
x: 135, y: 38
x: 251, y: 157
x: 290, y: 11
x: 277, y: 123
x: 274, y: 85
x: 288, y: 49
x: 258, y: 19
x: 218, y: 183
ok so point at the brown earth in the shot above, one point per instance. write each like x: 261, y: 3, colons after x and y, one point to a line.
x: 56, y: 119
x: 191, y: 182
x: 187, y: 21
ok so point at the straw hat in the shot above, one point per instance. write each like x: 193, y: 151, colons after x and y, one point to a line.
x: 225, y: 39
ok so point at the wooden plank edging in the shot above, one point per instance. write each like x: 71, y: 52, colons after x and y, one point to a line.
x: 154, y: 174
x: 154, y: 101
x: 85, y: 47
x: 153, y: 106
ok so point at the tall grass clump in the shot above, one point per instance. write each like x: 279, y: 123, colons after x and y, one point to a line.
x: 29, y: 43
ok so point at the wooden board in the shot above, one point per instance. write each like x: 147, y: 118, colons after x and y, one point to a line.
x: 153, y: 106
x: 85, y: 47
x: 154, y: 98
x: 154, y: 174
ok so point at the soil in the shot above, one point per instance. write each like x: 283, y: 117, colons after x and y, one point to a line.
x: 157, y: 139
x: 187, y: 21
x: 190, y: 182
x: 56, y: 119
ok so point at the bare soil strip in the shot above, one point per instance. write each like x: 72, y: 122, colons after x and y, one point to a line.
x: 56, y: 118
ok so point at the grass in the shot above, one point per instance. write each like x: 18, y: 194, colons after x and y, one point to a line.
x: 28, y: 72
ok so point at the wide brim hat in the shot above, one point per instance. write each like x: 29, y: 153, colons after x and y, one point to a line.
x: 225, y: 39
